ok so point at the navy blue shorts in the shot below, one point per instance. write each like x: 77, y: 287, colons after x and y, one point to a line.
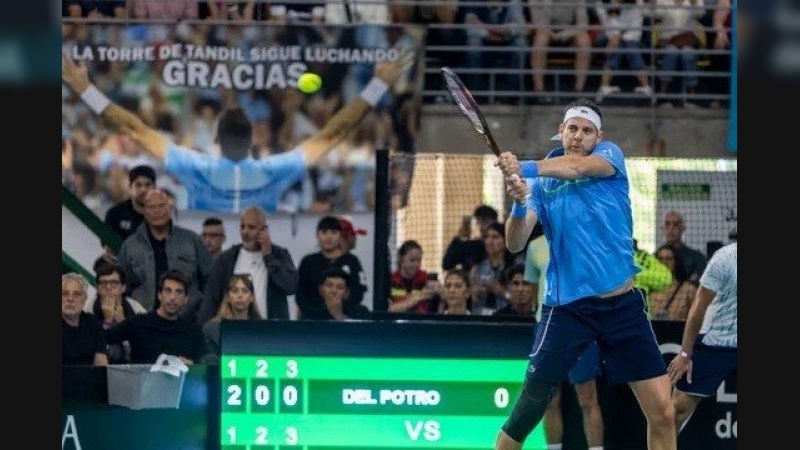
x: 588, y: 366
x: 619, y: 325
x: 710, y: 367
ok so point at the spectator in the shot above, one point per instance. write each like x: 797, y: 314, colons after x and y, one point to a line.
x: 334, y: 292
x: 350, y: 233
x: 456, y: 293
x: 467, y: 248
x: 238, y: 303
x: 437, y: 18
x: 622, y: 22
x: 654, y: 275
x: 234, y: 181
x: 673, y: 229
x: 488, y: 291
x: 82, y: 340
x: 158, y: 246
x: 165, y: 9
x: 111, y: 306
x: 565, y: 22
x: 674, y: 302
x: 313, y: 266
x: 125, y: 217
x: 162, y: 330
x: 718, y: 19
x: 521, y: 294
x: 270, y: 267
x: 94, y: 9
x: 412, y: 289
x: 213, y: 235
x: 491, y: 27
x: 678, y: 44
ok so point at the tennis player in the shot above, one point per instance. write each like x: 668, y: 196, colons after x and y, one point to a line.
x: 580, y: 194
x: 708, y: 353
x: 236, y: 181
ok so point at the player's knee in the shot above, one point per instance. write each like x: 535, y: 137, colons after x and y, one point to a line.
x: 529, y: 410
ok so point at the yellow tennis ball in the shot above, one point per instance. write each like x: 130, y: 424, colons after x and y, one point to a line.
x: 309, y: 82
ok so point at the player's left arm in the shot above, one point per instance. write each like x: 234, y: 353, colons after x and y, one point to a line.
x: 573, y: 167
x: 681, y: 364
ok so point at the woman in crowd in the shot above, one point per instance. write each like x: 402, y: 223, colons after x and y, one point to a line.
x: 413, y: 290
x: 456, y: 293
x: 239, y: 303
x: 673, y: 303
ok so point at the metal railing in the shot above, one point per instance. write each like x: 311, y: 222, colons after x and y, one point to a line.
x: 713, y: 71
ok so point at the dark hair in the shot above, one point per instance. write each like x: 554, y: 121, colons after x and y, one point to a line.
x: 407, y: 246
x: 174, y: 275
x: 235, y: 134
x: 329, y: 223
x: 679, y: 271
x: 213, y: 220
x: 498, y: 227
x: 141, y: 171
x: 512, y: 270
x: 103, y: 268
x: 464, y: 276
x: 336, y: 272
x: 485, y: 212
x: 587, y: 103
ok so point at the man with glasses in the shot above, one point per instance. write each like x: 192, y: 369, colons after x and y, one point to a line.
x: 157, y: 246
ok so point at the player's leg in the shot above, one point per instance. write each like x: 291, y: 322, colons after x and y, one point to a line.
x: 710, y: 367
x: 655, y: 401
x: 583, y: 376
x: 685, y: 405
x: 631, y: 355
x: 561, y: 337
x: 553, y: 422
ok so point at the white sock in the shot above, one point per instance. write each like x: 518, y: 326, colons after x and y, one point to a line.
x: 553, y: 446
x: 596, y: 447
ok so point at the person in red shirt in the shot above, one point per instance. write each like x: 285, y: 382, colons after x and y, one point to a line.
x: 413, y: 290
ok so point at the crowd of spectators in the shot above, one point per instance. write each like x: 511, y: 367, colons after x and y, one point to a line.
x: 167, y: 288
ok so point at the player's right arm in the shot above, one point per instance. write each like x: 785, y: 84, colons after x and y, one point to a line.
x: 76, y: 76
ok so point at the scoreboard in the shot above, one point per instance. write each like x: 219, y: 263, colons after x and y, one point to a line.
x: 315, y: 385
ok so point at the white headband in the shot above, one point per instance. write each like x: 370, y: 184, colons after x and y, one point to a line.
x: 582, y: 112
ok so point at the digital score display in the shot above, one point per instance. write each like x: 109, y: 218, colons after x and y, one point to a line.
x: 360, y: 397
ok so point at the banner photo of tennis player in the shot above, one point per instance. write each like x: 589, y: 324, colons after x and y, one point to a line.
x: 222, y: 120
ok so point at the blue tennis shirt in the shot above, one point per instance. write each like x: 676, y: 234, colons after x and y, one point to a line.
x: 588, y: 223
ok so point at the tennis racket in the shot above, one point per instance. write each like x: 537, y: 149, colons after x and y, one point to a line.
x: 466, y: 103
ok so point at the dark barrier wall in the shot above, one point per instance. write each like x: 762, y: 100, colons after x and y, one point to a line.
x: 89, y: 423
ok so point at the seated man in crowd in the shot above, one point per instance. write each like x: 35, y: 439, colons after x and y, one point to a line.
x: 162, y: 330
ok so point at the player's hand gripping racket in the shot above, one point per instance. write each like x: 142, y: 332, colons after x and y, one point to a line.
x: 466, y: 103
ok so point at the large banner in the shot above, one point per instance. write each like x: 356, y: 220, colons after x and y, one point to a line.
x: 181, y: 79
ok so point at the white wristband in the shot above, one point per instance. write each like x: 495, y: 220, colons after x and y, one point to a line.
x: 95, y: 100
x: 684, y: 354
x: 374, y: 91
